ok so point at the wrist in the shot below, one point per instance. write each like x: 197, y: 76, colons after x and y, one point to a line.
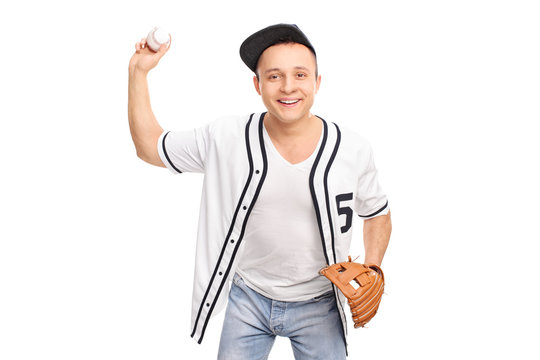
x: 372, y: 261
x: 135, y: 72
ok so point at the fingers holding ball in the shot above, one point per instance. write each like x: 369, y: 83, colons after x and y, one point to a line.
x: 158, y: 40
x: 158, y: 37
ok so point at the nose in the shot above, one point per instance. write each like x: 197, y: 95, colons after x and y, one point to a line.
x: 288, y: 85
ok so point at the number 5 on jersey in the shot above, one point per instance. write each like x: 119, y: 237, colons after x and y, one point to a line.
x: 345, y: 210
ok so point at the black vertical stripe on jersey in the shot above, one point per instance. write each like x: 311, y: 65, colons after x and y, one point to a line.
x: 328, y: 210
x: 167, y: 155
x: 225, y: 243
x: 326, y: 171
x: 241, y: 236
x: 376, y: 212
x: 318, y: 214
x: 312, y: 188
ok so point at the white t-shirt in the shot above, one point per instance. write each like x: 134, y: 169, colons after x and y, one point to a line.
x: 282, y: 253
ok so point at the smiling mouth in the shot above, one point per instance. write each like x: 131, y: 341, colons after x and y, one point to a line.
x: 288, y: 102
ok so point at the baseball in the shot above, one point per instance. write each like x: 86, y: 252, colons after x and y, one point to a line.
x: 156, y: 37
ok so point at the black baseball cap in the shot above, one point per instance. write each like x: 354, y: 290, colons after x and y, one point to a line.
x: 252, y: 48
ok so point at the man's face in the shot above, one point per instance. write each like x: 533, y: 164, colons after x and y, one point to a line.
x: 287, y: 81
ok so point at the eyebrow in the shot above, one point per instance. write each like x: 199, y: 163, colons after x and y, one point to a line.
x: 278, y: 69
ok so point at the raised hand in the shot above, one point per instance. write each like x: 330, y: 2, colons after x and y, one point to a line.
x: 144, y: 59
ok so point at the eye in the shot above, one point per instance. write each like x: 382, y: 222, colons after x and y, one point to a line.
x: 301, y: 75
x: 274, y: 77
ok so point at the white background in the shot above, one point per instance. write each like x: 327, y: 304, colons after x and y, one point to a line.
x: 97, y: 247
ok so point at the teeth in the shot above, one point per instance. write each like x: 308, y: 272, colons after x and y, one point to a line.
x: 288, y: 101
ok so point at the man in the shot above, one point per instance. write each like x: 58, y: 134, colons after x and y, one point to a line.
x: 298, y: 180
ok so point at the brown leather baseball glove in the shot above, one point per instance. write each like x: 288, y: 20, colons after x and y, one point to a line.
x: 362, y: 285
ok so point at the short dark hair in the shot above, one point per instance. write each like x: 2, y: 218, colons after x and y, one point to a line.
x: 288, y: 40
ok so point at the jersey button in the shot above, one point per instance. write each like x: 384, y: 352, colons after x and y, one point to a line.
x: 245, y: 207
x: 257, y: 171
x: 232, y: 241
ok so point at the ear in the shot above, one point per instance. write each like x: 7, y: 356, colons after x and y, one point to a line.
x: 317, y: 84
x: 257, y: 85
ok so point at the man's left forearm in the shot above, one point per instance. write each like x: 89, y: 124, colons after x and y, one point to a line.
x: 376, y: 237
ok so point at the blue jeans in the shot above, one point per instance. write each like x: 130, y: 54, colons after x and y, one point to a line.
x: 253, y: 321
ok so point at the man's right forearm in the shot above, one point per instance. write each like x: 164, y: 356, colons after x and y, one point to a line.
x: 145, y: 130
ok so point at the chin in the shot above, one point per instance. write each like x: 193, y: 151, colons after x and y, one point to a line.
x: 289, y: 117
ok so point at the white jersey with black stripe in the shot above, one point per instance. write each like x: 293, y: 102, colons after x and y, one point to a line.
x: 231, y: 153
x: 282, y: 253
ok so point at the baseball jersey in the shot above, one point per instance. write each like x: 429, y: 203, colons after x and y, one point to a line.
x: 282, y: 256
x: 231, y: 153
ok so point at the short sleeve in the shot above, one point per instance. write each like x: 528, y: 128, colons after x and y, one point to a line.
x: 184, y: 151
x: 370, y: 199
